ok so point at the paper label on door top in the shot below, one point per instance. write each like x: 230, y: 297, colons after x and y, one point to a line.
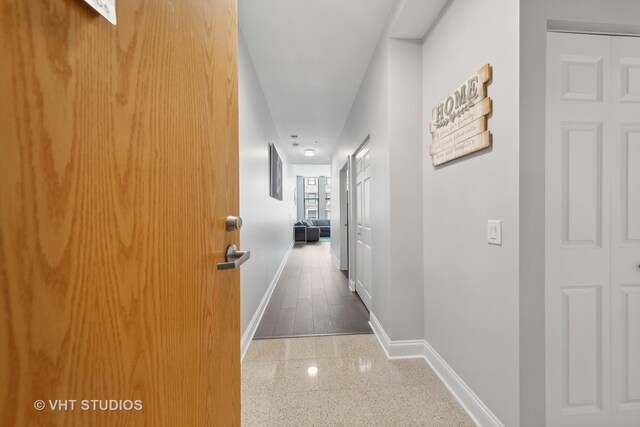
x: 106, y: 8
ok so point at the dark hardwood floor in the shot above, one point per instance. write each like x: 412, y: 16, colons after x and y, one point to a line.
x: 312, y: 297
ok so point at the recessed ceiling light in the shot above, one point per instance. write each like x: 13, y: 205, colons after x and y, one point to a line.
x: 310, y: 152
x: 294, y: 136
x: 295, y: 144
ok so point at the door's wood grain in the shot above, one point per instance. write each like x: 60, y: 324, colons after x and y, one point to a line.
x: 118, y: 166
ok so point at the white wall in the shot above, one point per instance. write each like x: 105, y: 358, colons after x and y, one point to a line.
x: 388, y: 108
x: 405, y: 126
x: 369, y: 115
x: 268, y: 223
x: 483, y: 306
x: 606, y: 15
x: 310, y: 170
x: 471, y: 288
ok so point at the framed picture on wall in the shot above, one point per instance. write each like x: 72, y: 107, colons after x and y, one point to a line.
x: 275, y: 173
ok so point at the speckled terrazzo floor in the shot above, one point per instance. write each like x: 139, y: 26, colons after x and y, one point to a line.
x: 342, y: 380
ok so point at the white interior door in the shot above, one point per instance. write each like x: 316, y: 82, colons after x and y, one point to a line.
x: 363, y: 224
x: 625, y: 232
x: 578, y: 270
x: 590, y: 281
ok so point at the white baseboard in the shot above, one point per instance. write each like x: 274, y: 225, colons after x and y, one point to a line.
x: 414, y: 349
x: 335, y: 259
x: 477, y: 410
x: 247, y: 337
x: 352, y: 286
x: 379, y: 332
x: 407, y: 349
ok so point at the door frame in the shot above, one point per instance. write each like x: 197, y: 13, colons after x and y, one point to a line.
x: 351, y: 161
x: 345, y: 221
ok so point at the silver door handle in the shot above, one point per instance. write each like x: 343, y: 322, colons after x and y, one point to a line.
x: 235, y: 258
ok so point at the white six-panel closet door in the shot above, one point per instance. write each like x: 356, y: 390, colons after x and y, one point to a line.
x: 593, y: 230
x: 625, y: 232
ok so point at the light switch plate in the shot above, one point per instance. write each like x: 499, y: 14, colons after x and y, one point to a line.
x: 494, y: 232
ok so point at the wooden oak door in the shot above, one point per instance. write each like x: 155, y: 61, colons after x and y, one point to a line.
x: 118, y: 166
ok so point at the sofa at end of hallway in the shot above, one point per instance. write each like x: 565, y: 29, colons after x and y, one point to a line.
x: 324, y: 225
x: 310, y: 230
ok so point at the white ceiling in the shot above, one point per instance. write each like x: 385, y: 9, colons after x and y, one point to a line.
x: 416, y: 18
x: 310, y: 56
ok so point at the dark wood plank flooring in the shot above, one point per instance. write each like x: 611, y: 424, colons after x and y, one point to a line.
x: 312, y: 297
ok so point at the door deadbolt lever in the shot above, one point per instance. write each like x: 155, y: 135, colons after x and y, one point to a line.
x: 233, y: 223
x: 234, y: 257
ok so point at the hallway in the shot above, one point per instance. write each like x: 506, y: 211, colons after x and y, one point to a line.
x: 341, y: 380
x: 312, y: 297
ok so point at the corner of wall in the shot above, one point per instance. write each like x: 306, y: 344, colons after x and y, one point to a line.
x: 406, y: 195
x: 532, y: 214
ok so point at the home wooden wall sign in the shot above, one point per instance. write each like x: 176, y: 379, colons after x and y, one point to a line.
x: 459, y: 123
